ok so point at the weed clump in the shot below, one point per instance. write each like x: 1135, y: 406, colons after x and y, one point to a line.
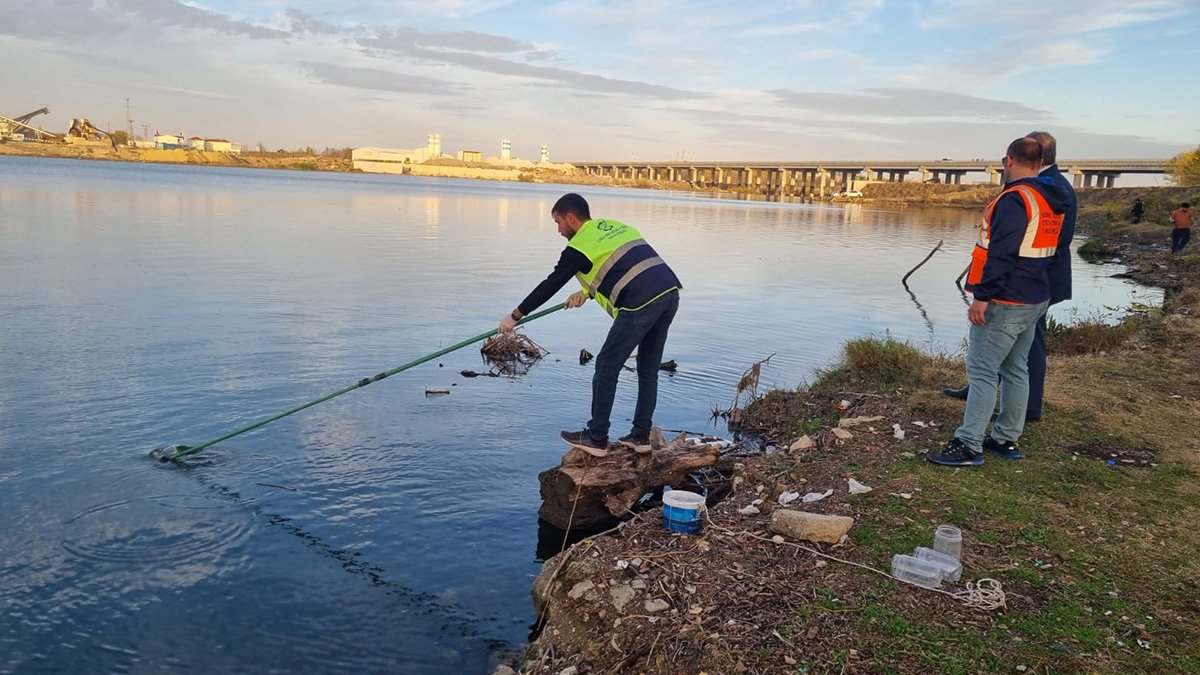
x: 1088, y: 336
x: 882, y: 361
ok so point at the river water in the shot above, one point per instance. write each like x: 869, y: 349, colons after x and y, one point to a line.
x: 382, y: 531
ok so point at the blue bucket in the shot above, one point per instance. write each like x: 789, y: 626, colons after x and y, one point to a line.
x: 681, y: 510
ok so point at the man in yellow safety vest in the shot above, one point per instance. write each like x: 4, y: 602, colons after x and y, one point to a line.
x: 627, y: 278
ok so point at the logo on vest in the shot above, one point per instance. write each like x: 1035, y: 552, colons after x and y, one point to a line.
x: 603, y: 225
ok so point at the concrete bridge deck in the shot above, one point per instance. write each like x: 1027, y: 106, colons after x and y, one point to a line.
x: 823, y: 178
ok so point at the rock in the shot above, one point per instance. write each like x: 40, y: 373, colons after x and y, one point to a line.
x: 569, y: 670
x: 503, y: 670
x: 657, y: 605
x: 639, y: 584
x: 580, y: 589
x: 842, y: 434
x: 803, y: 443
x: 813, y: 527
x: 847, y: 422
x: 622, y: 594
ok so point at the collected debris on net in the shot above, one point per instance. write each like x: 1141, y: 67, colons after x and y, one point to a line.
x: 509, y: 354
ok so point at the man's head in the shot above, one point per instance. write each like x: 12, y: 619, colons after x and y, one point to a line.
x: 1049, y: 146
x: 1022, y: 159
x: 570, y: 212
x: 1185, y: 205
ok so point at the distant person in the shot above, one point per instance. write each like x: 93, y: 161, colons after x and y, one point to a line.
x: 1137, y: 210
x: 628, y: 279
x: 1181, y: 218
x: 1009, y: 279
x: 1059, y: 275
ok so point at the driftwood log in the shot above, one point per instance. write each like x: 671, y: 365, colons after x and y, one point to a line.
x: 600, y: 490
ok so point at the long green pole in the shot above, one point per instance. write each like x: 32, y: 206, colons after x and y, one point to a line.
x: 185, y: 451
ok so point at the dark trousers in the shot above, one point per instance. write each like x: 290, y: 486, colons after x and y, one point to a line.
x: 1179, y: 238
x: 645, y: 330
x: 1037, y: 370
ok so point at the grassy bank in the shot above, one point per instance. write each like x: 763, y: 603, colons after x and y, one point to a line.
x: 1092, y: 535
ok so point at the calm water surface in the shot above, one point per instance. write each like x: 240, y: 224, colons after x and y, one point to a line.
x: 382, y: 531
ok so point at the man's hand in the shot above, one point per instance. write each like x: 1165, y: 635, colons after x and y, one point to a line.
x: 976, y: 313
x: 576, y: 300
x: 507, y: 324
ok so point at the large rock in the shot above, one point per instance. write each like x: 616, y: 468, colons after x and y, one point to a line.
x: 587, y: 492
x: 814, y: 527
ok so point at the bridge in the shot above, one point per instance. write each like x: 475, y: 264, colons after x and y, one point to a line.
x: 823, y: 178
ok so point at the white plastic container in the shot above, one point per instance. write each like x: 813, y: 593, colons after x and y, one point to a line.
x: 951, y: 569
x: 916, y: 571
x: 948, y: 539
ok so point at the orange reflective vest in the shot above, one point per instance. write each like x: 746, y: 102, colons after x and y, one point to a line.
x: 1041, y: 232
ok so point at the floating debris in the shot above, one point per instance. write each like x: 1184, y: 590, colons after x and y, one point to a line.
x: 511, y: 354
x: 585, y: 356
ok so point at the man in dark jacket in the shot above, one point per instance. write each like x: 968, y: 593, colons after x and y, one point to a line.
x: 1009, y: 278
x: 1059, y: 274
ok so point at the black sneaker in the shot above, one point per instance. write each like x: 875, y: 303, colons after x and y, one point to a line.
x: 584, y: 441
x: 959, y: 393
x: 956, y: 453
x: 636, y: 442
x: 1006, y: 449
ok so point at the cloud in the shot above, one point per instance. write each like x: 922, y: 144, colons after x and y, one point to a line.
x: 168, y: 13
x: 376, y: 79
x: 190, y: 92
x: 403, y: 38
x: 96, y: 20
x: 307, y: 24
x: 893, y: 102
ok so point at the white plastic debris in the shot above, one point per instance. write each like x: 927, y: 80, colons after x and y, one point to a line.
x: 842, y: 434
x: 857, y: 488
x: 788, y: 497
x: 898, y: 432
x: 919, y: 423
x: 751, y: 510
x: 843, y: 405
x: 816, y: 496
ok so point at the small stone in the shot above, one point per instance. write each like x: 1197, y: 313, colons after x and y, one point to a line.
x: 639, y: 584
x: 622, y: 594
x: 569, y: 670
x: 822, y: 563
x: 657, y: 605
x: 778, y: 539
x: 814, y: 527
x: 503, y: 670
x: 580, y: 589
x: 802, y: 443
x: 1021, y: 669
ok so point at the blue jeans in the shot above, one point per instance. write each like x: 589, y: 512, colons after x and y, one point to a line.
x: 646, y: 330
x: 1179, y: 238
x: 999, y: 349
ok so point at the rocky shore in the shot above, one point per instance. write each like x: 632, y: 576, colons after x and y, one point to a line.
x: 1091, y: 536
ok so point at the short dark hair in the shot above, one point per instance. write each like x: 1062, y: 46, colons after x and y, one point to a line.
x: 572, y: 203
x: 1185, y: 205
x: 1049, y: 145
x: 1026, y: 151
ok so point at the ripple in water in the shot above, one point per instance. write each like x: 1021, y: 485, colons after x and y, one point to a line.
x: 157, y: 529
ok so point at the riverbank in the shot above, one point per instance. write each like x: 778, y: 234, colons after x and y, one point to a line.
x: 1091, y: 535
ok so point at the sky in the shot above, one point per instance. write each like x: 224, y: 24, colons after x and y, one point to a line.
x: 609, y: 80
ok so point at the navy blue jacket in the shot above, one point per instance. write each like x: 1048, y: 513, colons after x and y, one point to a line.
x: 1060, y: 269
